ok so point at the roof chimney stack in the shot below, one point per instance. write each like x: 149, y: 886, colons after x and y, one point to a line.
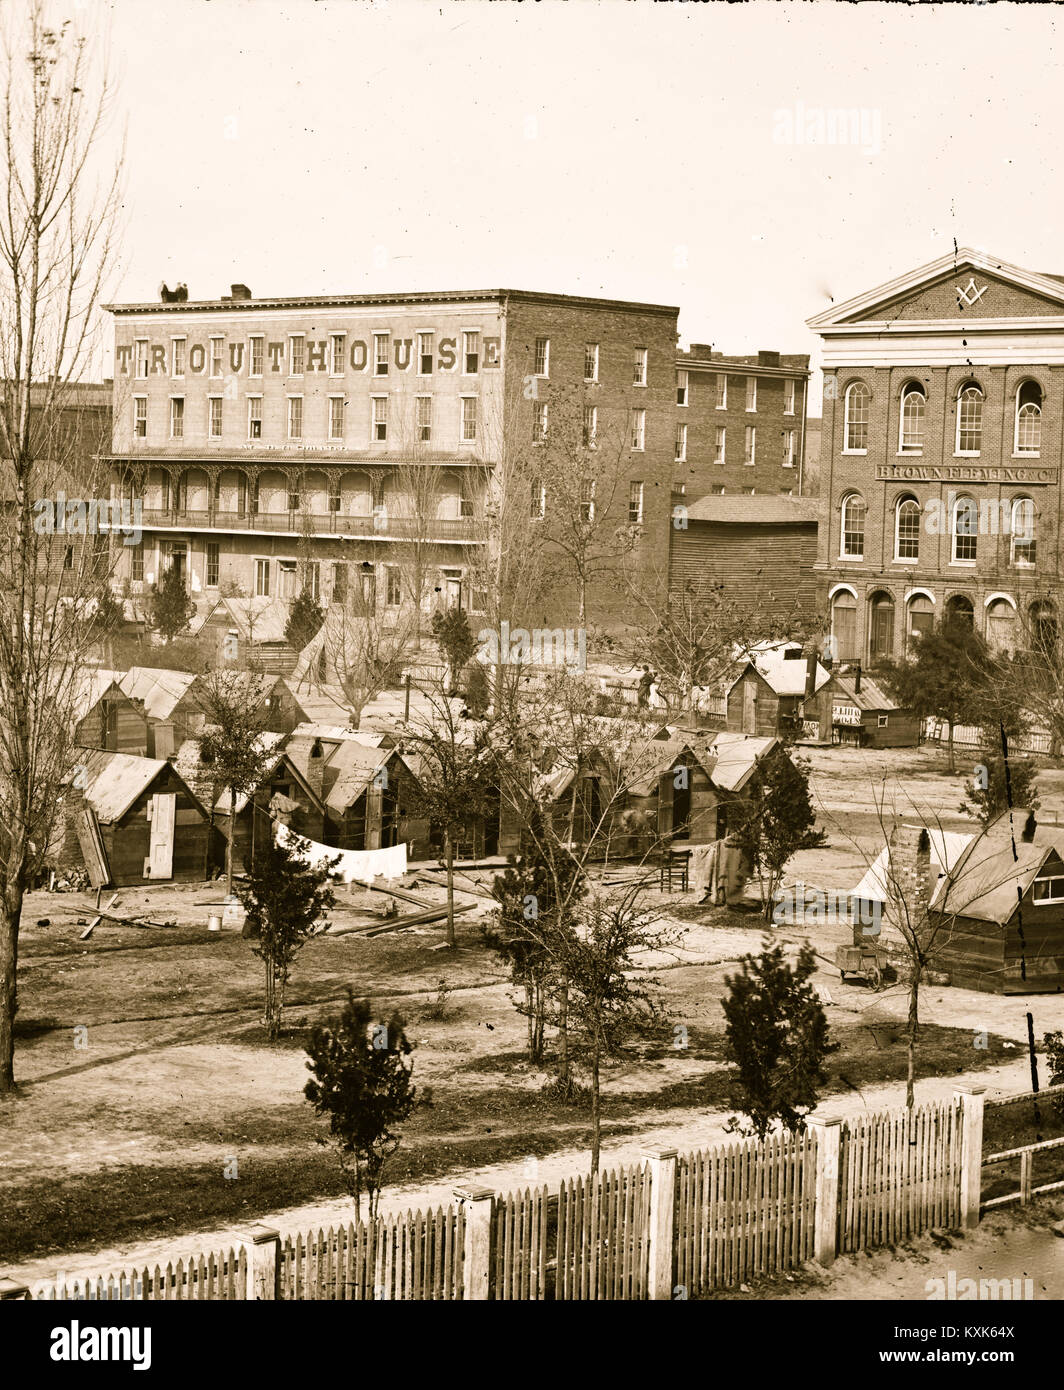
x: 239, y: 292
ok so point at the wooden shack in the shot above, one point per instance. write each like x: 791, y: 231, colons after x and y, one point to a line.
x: 855, y: 711
x: 161, y: 694
x: 113, y: 722
x: 766, y: 694
x: 286, y: 796
x: 370, y: 797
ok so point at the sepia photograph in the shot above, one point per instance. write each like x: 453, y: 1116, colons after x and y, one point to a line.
x: 531, y: 674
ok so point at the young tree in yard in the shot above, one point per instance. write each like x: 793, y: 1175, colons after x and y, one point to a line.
x: 775, y: 821
x: 286, y: 901
x: 237, y: 716
x: 304, y: 621
x: 451, y: 629
x: 945, y: 676
x: 363, y: 1082
x: 57, y: 221
x: 777, y: 1036
x: 1000, y: 779
x: 171, y: 607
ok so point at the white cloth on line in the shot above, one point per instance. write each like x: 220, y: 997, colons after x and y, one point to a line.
x: 356, y: 865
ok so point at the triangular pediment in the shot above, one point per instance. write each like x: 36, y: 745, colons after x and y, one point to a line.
x: 970, y: 285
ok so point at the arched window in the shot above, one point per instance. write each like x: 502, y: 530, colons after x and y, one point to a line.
x: 1024, y: 541
x: 1029, y: 418
x: 964, y: 525
x: 857, y: 398
x: 880, y: 627
x: 907, y: 529
x: 854, y: 510
x: 1001, y: 625
x: 844, y: 625
x: 960, y: 610
x: 970, y: 419
x: 921, y: 615
x: 913, y: 410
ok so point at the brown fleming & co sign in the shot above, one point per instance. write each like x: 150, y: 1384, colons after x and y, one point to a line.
x: 961, y: 473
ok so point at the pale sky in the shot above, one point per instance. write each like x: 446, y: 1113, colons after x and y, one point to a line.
x: 634, y: 150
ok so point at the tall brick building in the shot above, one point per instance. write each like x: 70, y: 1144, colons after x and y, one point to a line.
x: 941, y: 450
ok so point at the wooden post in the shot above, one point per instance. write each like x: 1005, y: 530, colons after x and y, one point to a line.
x: 972, y: 1104
x: 10, y: 1288
x: 478, y: 1203
x: 263, y: 1246
x: 662, y: 1164
x: 828, y: 1131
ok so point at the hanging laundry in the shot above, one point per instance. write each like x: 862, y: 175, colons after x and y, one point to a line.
x: 355, y: 865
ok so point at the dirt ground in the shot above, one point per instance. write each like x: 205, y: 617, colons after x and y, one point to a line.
x: 153, y: 1115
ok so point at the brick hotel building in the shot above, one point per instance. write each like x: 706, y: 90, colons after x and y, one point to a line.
x: 940, y: 458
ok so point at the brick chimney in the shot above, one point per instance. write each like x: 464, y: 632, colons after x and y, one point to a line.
x: 316, y: 768
x: 912, y: 876
x: 767, y: 358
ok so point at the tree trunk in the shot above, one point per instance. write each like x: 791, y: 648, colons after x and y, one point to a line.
x: 913, y: 1031
x: 596, y: 1116
x: 448, y: 849
x: 229, y: 844
x: 10, y: 918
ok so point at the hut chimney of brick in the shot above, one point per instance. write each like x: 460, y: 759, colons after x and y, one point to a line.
x: 1029, y: 828
x: 912, y: 877
x: 316, y: 768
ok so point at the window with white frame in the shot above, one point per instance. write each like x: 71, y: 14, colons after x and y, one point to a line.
x: 217, y: 358
x: 591, y: 361
x: 681, y: 387
x: 337, y: 353
x: 177, y: 356
x: 297, y: 353
x: 262, y: 578
x: 381, y: 351
x: 335, y: 494
x: 425, y: 353
x: 854, y: 511
x: 587, y: 501
x: 214, y: 417
x: 287, y: 571
x: 140, y: 417
x: 393, y: 586
x: 681, y: 443
x: 1048, y: 888
x: 965, y: 529
x: 295, y: 417
x: 639, y: 367
x: 142, y: 357
x: 136, y: 563
x: 423, y: 409
x: 295, y: 496
x: 538, y: 501
x: 542, y: 358
x: 970, y: 419
x: 590, y: 425
x: 788, y: 396
x: 177, y: 417
x: 1028, y: 418
x: 337, y: 417
x: 722, y: 391
x: 1023, y: 541
x: 639, y: 428
x: 856, y: 418
x: 254, y: 417
x: 913, y: 416
x: 719, y: 444
x: 750, y: 451
x: 470, y: 352
x: 469, y: 419
x: 465, y: 499
x: 255, y: 348
x: 539, y: 421
x: 751, y: 393
x: 380, y: 419
x: 790, y: 448
x: 635, y: 504
x: 907, y: 529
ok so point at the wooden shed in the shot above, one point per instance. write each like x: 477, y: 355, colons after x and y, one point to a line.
x: 854, y: 710
x: 161, y: 694
x: 370, y: 796
x: 766, y: 695
x: 286, y: 795
x: 113, y: 722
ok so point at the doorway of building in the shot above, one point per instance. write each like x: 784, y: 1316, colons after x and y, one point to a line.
x: 881, y: 628
x: 178, y: 560
x: 681, y: 803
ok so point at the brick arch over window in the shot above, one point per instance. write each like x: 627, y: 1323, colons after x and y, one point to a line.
x: 1028, y: 425
x: 970, y: 401
x: 913, y: 417
x: 907, y: 514
x: 856, y: 404
x: 853, y: 515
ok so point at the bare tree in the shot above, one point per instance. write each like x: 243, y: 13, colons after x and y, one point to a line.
x: 57, y: 245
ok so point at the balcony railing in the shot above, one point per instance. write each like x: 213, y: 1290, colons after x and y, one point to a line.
x: 320, y: 524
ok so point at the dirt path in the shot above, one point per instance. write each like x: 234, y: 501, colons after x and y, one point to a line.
x: 679, y: 1129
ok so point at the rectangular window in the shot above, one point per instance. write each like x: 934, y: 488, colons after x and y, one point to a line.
x: 380, y: 419
x: 214, y: 563
x: 217, y: 346
x: 722, y: 391
x: 469, y: 419
x: 424, y: 419
x: 255, y: 354
x: 681, y: 388
x: 590, y: 425
x: 287, y: 581
x: 538, y: 501
x: 639, y: 367
x: 393, y: 586
x: 297, y: 352
x: 177, y: 356
x: 381, y: 345
x: 295, y: 497
x: 751, y: 393
x: 720, y: 444
x: 140, y: 417
x: 177, y: 417
x: 635, y: 504
x: 295, y: 417
x: 214, y: 417
x: 587, y: 501
x: 425, y: 346
x: 539, y: 422
x: 337, y: 413
x: 142, y: 357
x: 790, y: 447
x: 262, y: 579
x: 136, y: 564
x: 465, y: 501
x: 471, y: 353
x: 256, y: 496
x: 639, y: 429
x: 591, y: 361
x: 337, y: 353
x: 542, y: 367
x: 1048, y: 890
x: 334, y: 495
x: 750, y: 455
x: 788, y: 397
x: 254, y: 417
x: 681, y: 443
